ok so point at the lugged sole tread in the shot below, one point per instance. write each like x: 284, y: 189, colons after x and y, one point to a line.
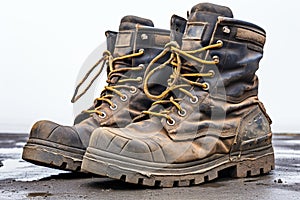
x: 238, y: 169
x: 53, y: 158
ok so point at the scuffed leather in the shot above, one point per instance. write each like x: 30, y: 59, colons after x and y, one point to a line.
x: 177, y: 28
x: 193, y: 138
x: 239, y: 60
x: 226, y: 118
x: 150, y: 39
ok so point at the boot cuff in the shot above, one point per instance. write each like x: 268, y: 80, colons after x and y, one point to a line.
x: 130, y: 21
x: 212, y: 8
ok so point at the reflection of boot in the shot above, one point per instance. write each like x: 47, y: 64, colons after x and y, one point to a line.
x: 209, y: 119
x: 123, y: 99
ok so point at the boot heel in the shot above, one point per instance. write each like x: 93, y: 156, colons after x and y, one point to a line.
x: 254, y: 166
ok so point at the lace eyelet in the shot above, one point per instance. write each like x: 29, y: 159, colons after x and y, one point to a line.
x: 114, y: 107
x: 206, y: 88
x: 124, y: 97
x: 142, y: 66
x: 220, y: 42
x: 171, y: 122
x: 140, y: 79
x: 182, y: 112
x: 216, y: 59
x: 102, y: 115
x: 194, y: 100
x: 133, y: 90
x: 226, y: 29
x: 144, y: 36
x: 212, y: 72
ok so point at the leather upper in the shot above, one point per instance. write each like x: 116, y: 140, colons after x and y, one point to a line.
x: 221, y: 120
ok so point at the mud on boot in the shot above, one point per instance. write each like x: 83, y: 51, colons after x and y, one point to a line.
x: 209, y: 120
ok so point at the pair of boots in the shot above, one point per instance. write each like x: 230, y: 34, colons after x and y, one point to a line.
x: 180, y: 106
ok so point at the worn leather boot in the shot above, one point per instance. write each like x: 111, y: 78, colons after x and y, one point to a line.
x: 208, y: 121
x: 137, y: 43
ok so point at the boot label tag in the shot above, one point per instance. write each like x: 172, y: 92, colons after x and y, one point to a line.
x: 124, y: 39
x: 194, y: 30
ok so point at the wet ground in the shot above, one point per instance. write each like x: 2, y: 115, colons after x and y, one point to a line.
x: 22, y: 180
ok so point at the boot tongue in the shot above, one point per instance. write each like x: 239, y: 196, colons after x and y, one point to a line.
x: 201, y: 24
x: 212, y: 9
x: 124, y: 43
x: 199, y: 30
x: 111, y: 40
x: 177, y: 28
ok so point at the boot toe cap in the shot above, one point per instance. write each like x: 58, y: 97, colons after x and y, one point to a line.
x: 43, y: 129
x: 55, y: 133
x: 118, y: 141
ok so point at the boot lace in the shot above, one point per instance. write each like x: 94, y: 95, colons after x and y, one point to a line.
x: 178, y: 80
x: 109, y: 60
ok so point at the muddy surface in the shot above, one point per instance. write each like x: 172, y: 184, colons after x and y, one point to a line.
x: 22, y: 180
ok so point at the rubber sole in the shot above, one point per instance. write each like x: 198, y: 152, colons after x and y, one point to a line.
x: 253, y: 163
x: 53, y: 155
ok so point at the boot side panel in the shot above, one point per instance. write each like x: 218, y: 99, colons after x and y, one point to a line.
x: 239, y: 59
x: 254, y: 131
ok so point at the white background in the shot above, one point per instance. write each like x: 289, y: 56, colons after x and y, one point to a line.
x: 44, y: 43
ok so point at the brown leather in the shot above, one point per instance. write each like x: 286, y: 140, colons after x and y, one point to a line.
x: 227, y: 119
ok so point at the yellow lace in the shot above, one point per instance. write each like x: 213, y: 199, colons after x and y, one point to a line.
x: 176, y: 63
x: 109, y: 60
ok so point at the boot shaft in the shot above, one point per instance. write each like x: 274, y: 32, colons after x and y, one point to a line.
x: 111, y: 37
x: 134, y: 38
x: 128, y: 53
x: 150, y: 40
x: 201, y: 25
x: 207, y: 121
x: 238, y: 58
x: 230, y: 106
x: 227, y: 69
